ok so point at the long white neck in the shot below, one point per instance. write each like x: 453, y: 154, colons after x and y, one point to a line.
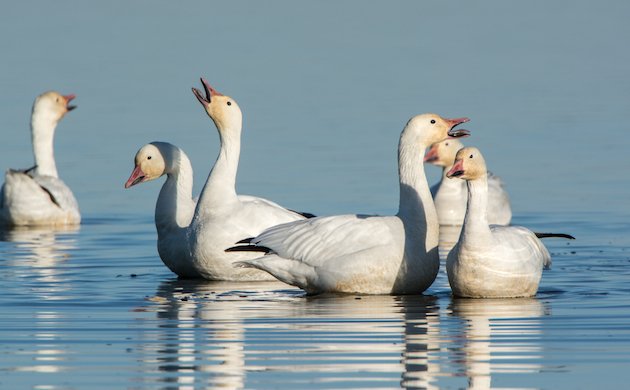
x: 220, y: 188
x: 42, y: 135
x: 416, y: 208
x: 476, y: 228
x: 174, y: 208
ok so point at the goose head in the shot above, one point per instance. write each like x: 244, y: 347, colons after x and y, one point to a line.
x: 443, y: 153
x: 222, y: 109
x: 151, y: 162
x: 469, y: 164
x: 52, y: 106
x: 428, y: 129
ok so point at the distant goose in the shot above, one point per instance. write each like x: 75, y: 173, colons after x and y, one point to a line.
x: 36, y: 196
x: 492, y: 261
x: 221, y: 217
x: 361, y: 253
x: 450, y: 195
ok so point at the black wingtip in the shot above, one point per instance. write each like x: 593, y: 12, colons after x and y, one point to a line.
x: 249, y: 248
x: 558, y: 235
x: 245, y: 240
x: 27, y: 171
x: 304, y: 214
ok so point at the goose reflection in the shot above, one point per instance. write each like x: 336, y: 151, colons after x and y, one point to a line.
x: 210, y: 332
x: 35, y: 256
x: 497, y: 330
x: 422, y: 340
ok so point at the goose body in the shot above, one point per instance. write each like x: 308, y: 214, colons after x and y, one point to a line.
x: 175, y: 205
x: 197, y: 235
x: 360, y: 253
x: 37, y: 196
x: 491, y: 261
x: 450, y: 196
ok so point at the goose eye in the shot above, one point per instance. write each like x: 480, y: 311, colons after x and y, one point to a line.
x: 471, y: 156
x: 446, y: 144
x: 149, y: 158
x: 432, y: 121
x: 229, y: 103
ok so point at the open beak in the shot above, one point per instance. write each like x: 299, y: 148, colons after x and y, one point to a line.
x: 457, y: 133
x: 432, y: 154
x: 210, y: 92
x: 457, y: 169
x: 68, y: 99
x: 137, y: 176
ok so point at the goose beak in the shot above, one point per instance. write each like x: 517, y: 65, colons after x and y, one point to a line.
x: 432, y: 154
x: 457, y: 133
x: 210, y: 92
x: 457, y: 169
x: 68, y: 99
x: 137, y: 176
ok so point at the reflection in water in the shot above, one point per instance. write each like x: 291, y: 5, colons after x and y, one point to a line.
x: 201, y: 330
x: 34, y: 258
x: 36, y: 255
x: 198, y: 334
x: 236, y: 336
x: 497, y: 330
x: 422, y: 340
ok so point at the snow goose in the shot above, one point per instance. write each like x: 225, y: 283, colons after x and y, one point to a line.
x: 36, y: 196
x: 450, y: 195
x: 175, y: 206
x: 491, y: 261
x: 222, y: 218
x: 361, y: 253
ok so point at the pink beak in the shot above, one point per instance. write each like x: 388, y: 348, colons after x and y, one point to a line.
x: 210, y: 93
x: 137, y: 176
x: 68, y: 99
x: 457, y: 121
x: 456, y: 170
x: 456, y: 133
x: 432, y: 154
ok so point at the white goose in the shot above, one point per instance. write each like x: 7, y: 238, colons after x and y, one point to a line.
x: 360, y: 253
x: 36, y: 196
x: 492, y: 261
x: 450, y: 195
x: 221, y: 217
x: 175, y: 206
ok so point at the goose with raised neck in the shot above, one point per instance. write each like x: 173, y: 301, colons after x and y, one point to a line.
x: 360, y: 253
x: 450, y: 196
x: 491, y: 261
x: 36, y: 196
x: 222, y: 217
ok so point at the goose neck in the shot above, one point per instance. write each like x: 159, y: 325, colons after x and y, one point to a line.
x: 416, y: 206
x: 175, y: 206
x: 476, y: 219
x: 42, y: 136
x: 220, y: 187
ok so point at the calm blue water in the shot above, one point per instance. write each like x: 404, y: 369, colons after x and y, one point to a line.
x: 326, y: 89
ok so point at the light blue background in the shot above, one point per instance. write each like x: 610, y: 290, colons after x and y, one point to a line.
x: 326, y: 88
